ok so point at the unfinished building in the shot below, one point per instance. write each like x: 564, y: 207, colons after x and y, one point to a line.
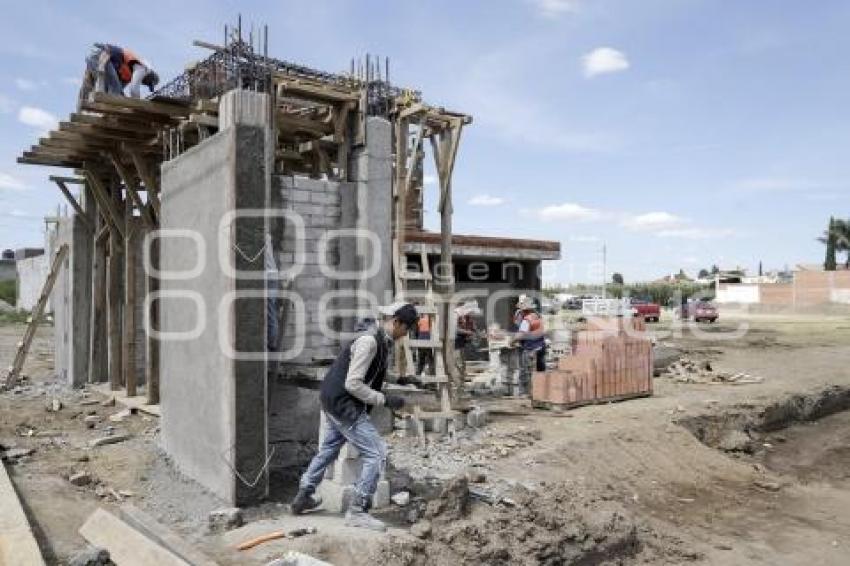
x: 230, y: 230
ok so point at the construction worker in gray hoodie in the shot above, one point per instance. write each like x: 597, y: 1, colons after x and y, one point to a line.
x: 350, y: 387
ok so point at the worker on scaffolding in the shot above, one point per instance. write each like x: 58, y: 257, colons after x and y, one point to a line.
x: 530, y: 338
x: 350, y: 387
x: 111, y: 69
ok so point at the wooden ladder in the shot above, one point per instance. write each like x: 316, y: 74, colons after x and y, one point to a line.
x: 439, y: 377
x: 37, y: 312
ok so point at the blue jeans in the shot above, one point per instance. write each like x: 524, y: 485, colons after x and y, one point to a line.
x: 108, y: 81
x: 373, y: 455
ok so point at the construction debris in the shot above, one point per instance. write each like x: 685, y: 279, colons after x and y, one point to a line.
x: 92, y: 556
x: 112, y: 439
x: 686, y: 370
x: 225, y: 519
x: 80, y: 479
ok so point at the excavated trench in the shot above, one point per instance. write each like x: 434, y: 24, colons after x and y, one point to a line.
x: 805, y: 435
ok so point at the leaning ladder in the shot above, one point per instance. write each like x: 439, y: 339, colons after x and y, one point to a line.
x: 439, y: 377
x: 37, y: 312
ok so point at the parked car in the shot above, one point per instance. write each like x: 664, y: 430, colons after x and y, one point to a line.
x: 548, y: 306
x: 650, y: 311
x: 573, y: 304
x: 699, y: 311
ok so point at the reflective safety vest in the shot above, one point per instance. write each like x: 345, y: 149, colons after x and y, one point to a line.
x: 424, y: 325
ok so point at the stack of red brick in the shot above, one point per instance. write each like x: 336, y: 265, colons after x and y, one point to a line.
x: 612, y: 359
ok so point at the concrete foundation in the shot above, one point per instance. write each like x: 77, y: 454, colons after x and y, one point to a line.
x: 212, y: 360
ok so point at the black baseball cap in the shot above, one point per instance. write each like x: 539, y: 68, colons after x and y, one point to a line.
x: 403, y: 312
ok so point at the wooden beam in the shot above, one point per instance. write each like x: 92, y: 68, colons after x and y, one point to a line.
x: 106, y: 203
x: 67, y: 180
x: 147, y: 106
x: 148, y: 178
x: 126, y: 545
x: 74, y: 204
x: 130, y: 184
x: 127, y: 113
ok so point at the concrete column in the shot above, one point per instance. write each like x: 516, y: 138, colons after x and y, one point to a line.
x: 369, y: 208
x: 72, y: 302
x: 214, y: 382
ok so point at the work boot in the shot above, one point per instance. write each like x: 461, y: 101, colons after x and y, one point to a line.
x: 357, y: 516
x: 304, y: 501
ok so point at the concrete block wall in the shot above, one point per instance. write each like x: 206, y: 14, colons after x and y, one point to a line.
x: 317, y: 203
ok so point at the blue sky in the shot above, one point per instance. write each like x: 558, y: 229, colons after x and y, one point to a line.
x: 681, y: 133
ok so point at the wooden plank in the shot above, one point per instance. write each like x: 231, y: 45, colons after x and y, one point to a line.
x: 35, y: 316
x: 126, y: 545
x: 147, y: 106
x: 49, y: 161
x: 162, y: 535
x: 127, y: 113
x: 74, y: 204
x: 18, y: 546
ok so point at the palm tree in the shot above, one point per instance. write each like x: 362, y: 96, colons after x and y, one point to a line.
x: 837, y: 240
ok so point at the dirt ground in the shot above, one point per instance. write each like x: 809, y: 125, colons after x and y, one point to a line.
x: 698, y: 473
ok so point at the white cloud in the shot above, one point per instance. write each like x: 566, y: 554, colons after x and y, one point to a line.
x: 74, y: 81
x: 554, y: 9
x: 604, y: 60
x: 9, y: 182
x: 651, y: 221
x: 696, y: 233
x: 486, y: 200
x: 25, y: 84
x: 567, y: 211
x: 37, y: 118
x: 429, y: 180
x: 584, y: 239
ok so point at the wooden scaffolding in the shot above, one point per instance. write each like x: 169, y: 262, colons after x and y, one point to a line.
x: 114, y: 146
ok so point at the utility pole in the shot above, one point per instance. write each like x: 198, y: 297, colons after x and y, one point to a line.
x: 604, y: 270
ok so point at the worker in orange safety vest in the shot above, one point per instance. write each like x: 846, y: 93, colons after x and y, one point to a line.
x: 111, y: 69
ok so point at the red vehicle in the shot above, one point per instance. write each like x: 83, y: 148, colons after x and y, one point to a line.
x: 699, y: 311
x: 650, y: 311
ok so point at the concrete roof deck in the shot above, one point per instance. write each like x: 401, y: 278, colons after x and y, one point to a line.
x: 464, y: 245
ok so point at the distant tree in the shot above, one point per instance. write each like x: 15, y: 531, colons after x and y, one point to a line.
x: 760, y: 269
x: 703, y: 273
x: 714, y: 269
x: 617, y: 279
x: 681, y: 276
x: 830, y: 239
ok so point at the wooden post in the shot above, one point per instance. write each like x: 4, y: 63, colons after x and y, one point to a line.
x: 99, y: 352
x: 151, y: 182
x: 129, y: 337
x: 115, y: 300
